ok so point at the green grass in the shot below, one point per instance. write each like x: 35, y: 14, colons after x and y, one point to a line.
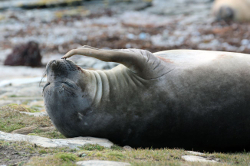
x: 11, y: 119
x: 171, y: 157
x: 66, y: 156
x: 13, y: 96
x: 91, y: 147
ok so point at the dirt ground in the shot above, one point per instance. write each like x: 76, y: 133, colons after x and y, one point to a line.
x: 11, y: 156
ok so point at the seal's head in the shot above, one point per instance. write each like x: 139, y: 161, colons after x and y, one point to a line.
x: 225, y: 13
x: 65, y: 91
x: 231, y: 10
x: 61, y: 70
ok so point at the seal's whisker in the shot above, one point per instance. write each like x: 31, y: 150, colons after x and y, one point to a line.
x: 44, y: 75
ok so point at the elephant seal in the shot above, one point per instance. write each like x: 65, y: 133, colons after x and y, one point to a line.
x: 237, y: 10
x: 188, y: 99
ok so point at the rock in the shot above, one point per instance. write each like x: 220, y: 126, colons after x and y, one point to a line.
x: 36, y: 114
x: 25, y: 55
x: 81, y: 155
x: 50, y: 143
x: 197, y: 159
x: 127, y: 148
x: 196, y: 153
x: 101, y: 163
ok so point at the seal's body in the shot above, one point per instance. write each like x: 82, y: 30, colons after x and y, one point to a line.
x: 237, y: 10
x: 179, y: 99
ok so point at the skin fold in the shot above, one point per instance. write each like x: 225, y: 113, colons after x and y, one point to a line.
x: 178, y: 99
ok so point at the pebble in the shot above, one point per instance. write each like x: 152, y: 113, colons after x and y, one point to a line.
x: 128, y: 148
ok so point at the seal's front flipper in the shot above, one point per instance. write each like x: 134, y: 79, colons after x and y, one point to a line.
x: 86, y: 46
x: 141, y: 62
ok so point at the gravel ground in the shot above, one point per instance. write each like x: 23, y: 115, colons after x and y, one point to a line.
x: 172, y: 24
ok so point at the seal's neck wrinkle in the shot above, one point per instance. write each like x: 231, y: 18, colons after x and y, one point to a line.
x: 100, y: 82
x: 105, y: 83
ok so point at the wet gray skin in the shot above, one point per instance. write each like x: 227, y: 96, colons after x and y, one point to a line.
x: 179, y: 99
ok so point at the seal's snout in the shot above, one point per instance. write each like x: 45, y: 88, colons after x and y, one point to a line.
x: 225, y: 13
x: 61, y: 69
x: 61, y: 65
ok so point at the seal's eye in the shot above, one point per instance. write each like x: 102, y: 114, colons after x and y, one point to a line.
x: 46, y: 85
x: 70, y: 84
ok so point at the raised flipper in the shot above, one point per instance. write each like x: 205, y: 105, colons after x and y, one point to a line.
x: 141, y: 62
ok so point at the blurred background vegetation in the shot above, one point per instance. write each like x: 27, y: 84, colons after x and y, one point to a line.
x: 60, y: 25
x: 33, y: 32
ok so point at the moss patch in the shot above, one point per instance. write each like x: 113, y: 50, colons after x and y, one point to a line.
x: 11, y: 119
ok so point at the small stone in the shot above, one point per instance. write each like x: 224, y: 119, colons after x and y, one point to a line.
x: 244, y: 42
x: 83, y: 155
x: 130, y: 36
x: 127, y: 148
x: 197, y: 159
x: 142, y: 36
x: 101, y: 163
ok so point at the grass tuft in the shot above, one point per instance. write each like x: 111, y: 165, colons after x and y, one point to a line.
x: 66, y: 156
x: 116, y: 147
x: 91, y: 147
